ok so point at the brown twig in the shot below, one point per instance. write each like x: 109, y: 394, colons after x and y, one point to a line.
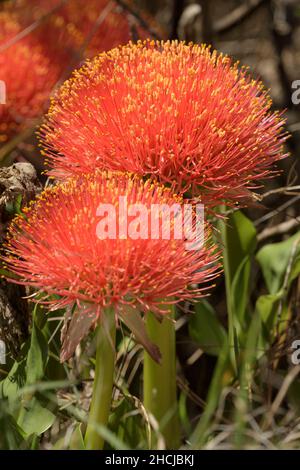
x: 279, y: 229
x: 237, y: 16
x: 277, y: 211
x: 289, y: 379
x: 138, y: 17
x: 283, y: 190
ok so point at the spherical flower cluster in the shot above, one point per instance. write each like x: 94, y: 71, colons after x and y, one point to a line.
x: 179, y: 112
x: 32, y: 65
x: 56, y: 249
x: 28, y: 74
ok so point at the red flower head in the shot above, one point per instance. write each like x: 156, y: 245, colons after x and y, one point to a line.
x: 57, y: 250
x: 28, y: 74
x: 95, y: 26
x: 176, y: 111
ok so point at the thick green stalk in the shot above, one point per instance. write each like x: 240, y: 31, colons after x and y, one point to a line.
x: 103, y: 383
x: 160, y: 379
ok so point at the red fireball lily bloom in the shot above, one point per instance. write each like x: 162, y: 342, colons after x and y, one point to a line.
x: 29, y: 75
x: 179, y: 112
x: 56, y: 250
x: 32, y: 65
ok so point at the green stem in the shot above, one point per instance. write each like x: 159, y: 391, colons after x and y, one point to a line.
x: 103, y: 383
x: 160, y: 379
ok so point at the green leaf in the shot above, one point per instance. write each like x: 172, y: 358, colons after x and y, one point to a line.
x: 33, y: 417
x: 184, y: 413
x: 40, y: 316
x: 77, y: 440
x: 240, y: 241
x: 206, y: 330
x: 14, y: 207
x: 13, y: 437
x: 13, y: 382
x: 239, y: 291
x: 128, y: 424
x: 249, y: 357
x: 37, y: 356
x: 8, y: 274
x: 266, y: 308
x: 34, y: 442
x: 276, y: 259
x: 36, y: 418
x: 216, y: 387
x: 111, y: 439
x: 295, y: 269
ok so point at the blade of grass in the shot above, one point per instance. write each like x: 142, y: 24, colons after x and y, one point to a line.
x: 201, y: 431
